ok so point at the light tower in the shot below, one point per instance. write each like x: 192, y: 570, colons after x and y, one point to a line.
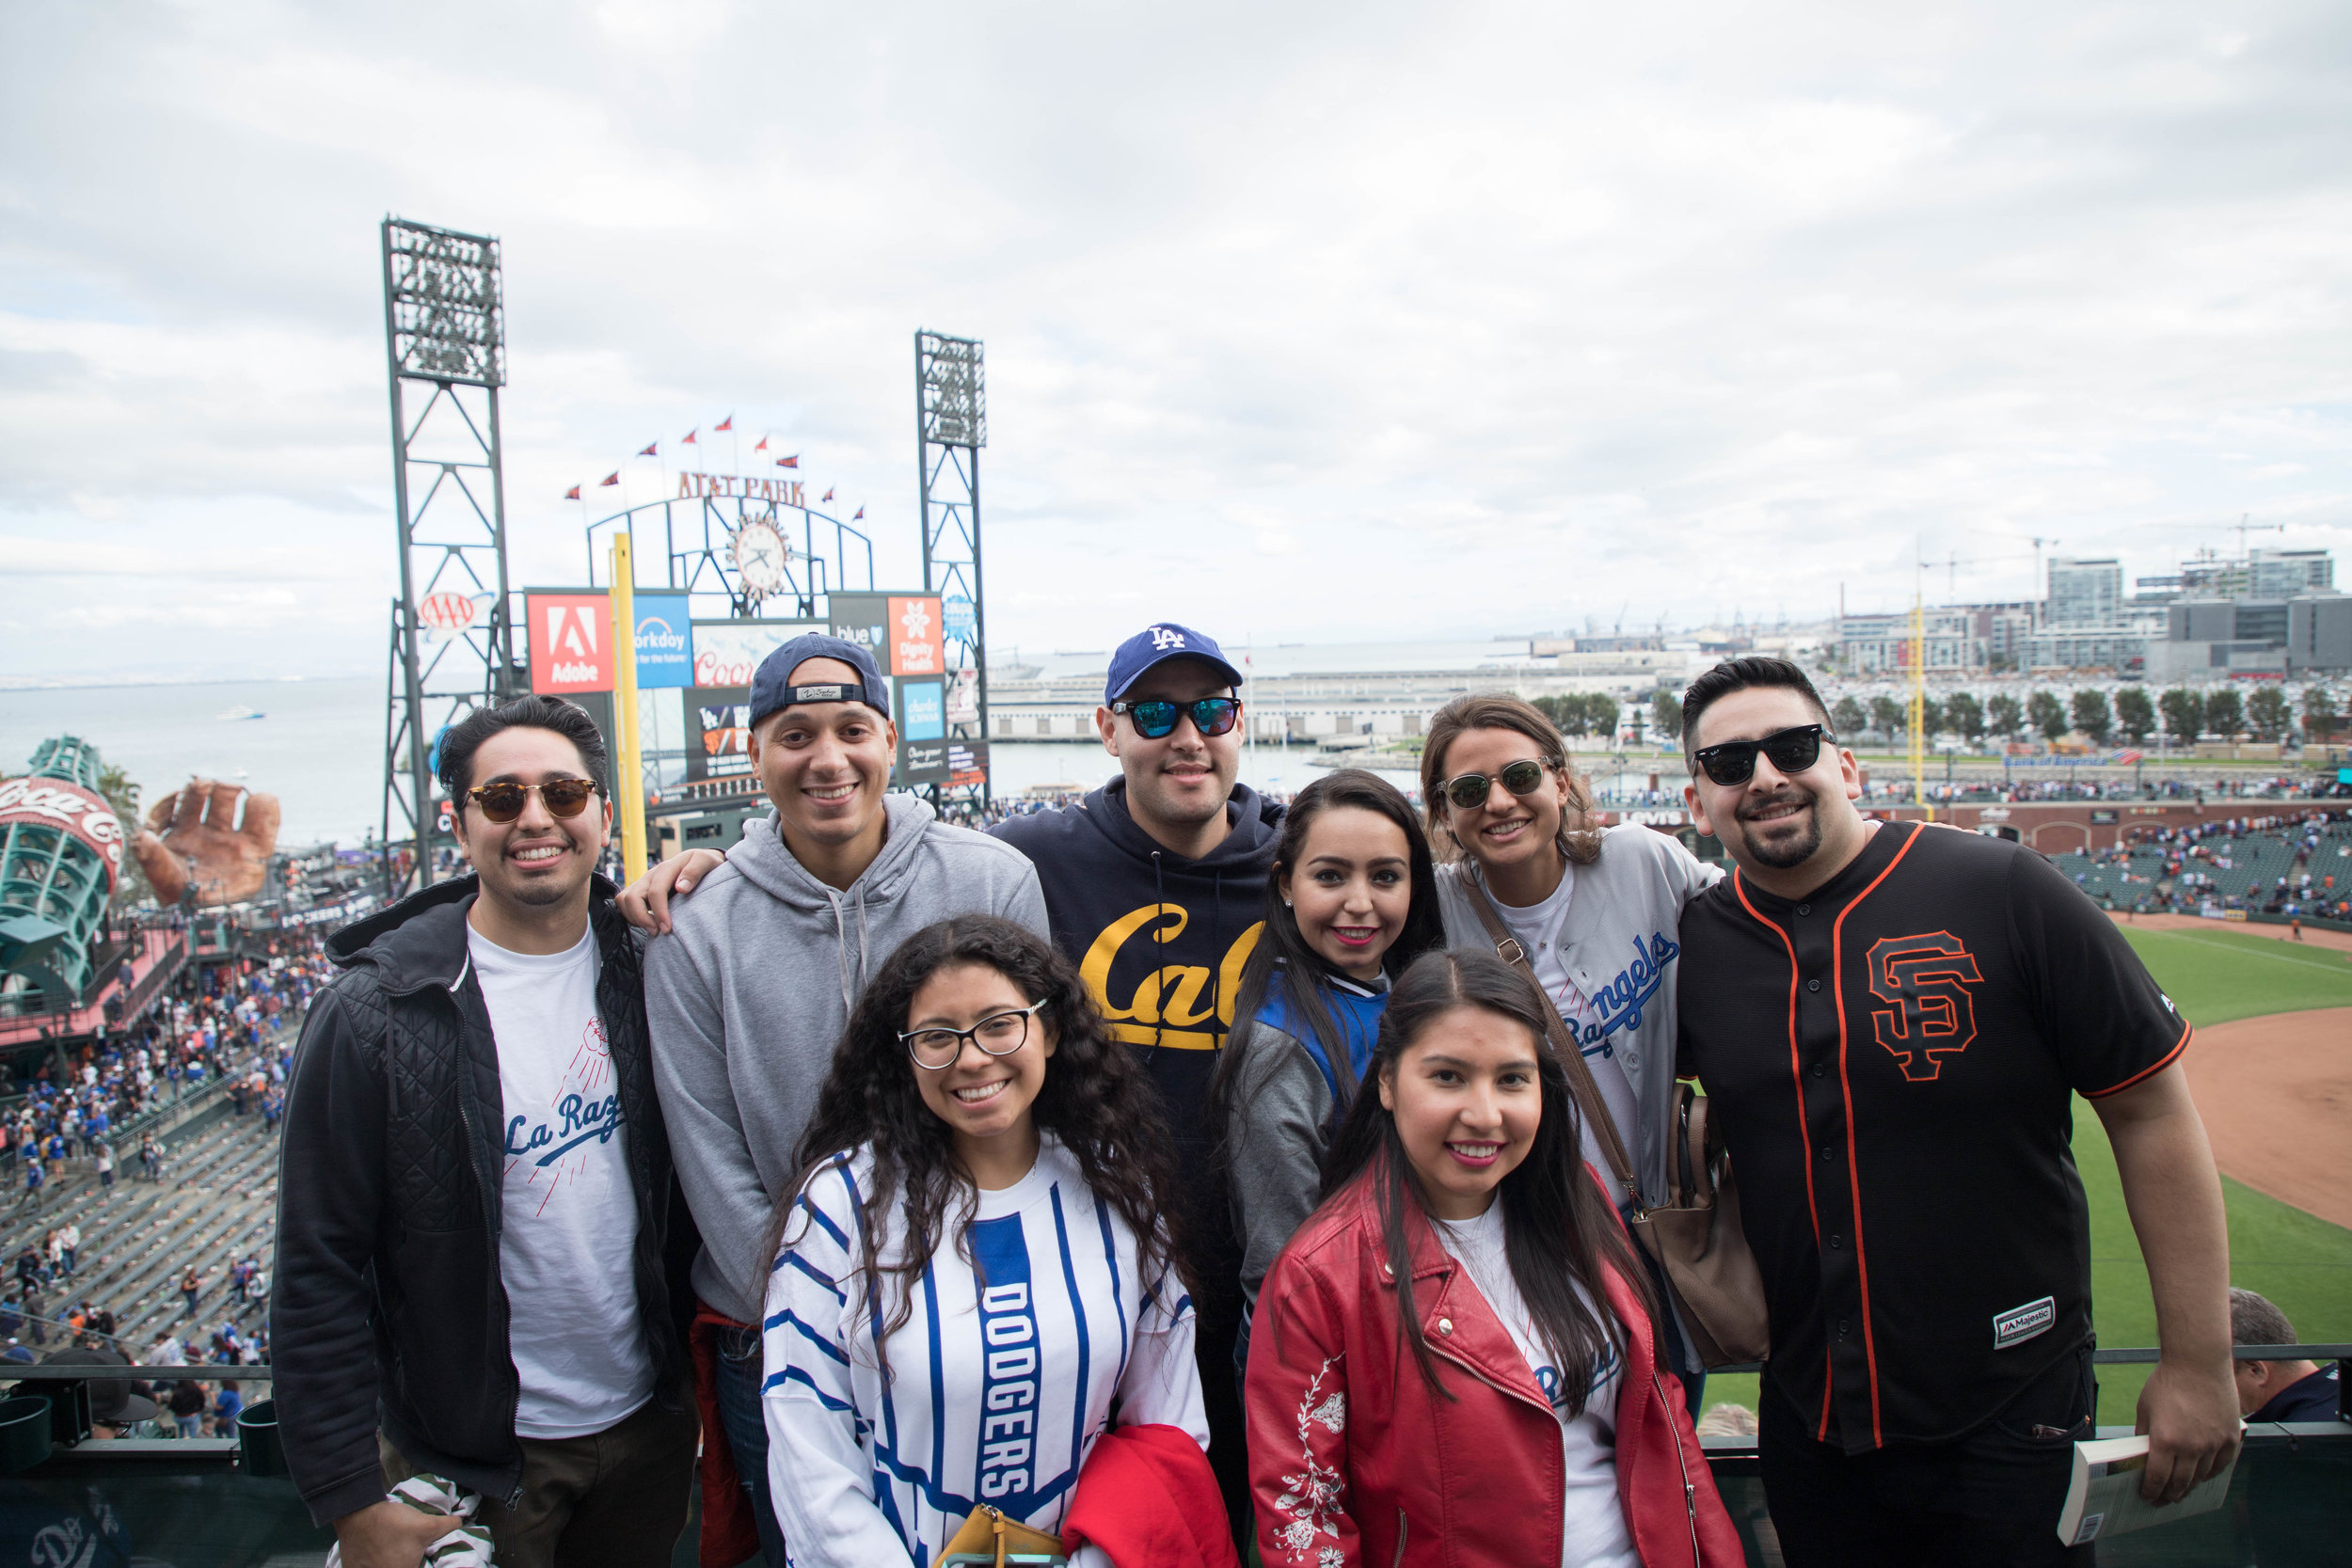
x: 60, y: 853
x: 452, y: 642
x: 951, y: 427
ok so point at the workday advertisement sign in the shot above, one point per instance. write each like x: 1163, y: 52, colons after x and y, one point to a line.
x: 665, y: 642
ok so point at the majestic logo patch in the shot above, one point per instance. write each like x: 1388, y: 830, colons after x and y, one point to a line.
x: 2021, y: 1323
x: 1930, y: 1015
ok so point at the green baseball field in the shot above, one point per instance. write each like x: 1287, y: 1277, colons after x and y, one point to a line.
x: 2219, y: 976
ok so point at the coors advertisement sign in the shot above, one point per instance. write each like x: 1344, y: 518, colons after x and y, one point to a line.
x: 55, y: 803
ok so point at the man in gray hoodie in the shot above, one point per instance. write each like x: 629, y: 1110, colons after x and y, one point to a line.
x: 752, y: 987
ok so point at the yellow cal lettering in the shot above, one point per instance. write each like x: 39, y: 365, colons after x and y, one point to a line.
x: 1095, y: 968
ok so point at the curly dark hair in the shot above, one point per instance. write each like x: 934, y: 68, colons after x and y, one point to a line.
x: 1096, y: 1100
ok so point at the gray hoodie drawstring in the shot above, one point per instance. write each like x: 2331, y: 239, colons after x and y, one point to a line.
x: 850, y: 985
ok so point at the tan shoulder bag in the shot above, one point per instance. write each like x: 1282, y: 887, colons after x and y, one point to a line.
x: 1695, y: 1236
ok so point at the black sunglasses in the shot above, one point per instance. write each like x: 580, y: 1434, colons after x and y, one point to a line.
x: 1154, y: 718
x: 1470, y: 790
x: 502, y: 801
x: 1791, y: 751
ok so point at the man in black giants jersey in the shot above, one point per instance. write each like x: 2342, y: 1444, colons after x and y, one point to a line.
x: 1890, y: 1021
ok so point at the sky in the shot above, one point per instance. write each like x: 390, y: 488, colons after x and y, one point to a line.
x: 1303, y: 323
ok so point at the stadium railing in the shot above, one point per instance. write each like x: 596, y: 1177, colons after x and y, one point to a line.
x: 193, y: 1501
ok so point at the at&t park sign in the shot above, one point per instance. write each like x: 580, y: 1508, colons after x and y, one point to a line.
x: 783, y: 492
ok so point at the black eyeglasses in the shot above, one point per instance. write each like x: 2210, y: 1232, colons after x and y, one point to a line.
x: 502, y: 801
x: 1791, y: 751
x: 1469, y: 791
x: 998, y: 1035
x: 1154, y: 718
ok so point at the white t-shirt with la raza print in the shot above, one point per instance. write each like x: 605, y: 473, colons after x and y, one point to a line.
x: 1594, y: 1532
x: 566, y: 1255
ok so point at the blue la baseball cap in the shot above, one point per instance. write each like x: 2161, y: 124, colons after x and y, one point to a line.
x: 773, y: 688
x: 1156, y: 644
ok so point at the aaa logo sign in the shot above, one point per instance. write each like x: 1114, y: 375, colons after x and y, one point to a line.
x: 571, y: 642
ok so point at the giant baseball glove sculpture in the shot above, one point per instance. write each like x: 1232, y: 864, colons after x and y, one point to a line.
x: 194, y: 836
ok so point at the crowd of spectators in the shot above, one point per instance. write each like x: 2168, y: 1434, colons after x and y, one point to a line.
x: 208, y: 1031
x: 2294, y: 864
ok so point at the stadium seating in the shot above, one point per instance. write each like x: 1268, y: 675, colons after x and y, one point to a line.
x: 217, y: 1200
x: 2256, y: 862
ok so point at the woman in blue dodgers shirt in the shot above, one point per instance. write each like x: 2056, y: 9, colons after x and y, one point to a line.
x: 972, y: 1283
x: 1351, y: 902
x: 1594, y: 910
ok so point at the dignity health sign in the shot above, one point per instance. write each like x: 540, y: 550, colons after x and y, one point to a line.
x: 571, y: 641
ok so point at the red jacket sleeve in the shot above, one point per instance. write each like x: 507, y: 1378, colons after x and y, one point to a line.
x: 1296, y: 1402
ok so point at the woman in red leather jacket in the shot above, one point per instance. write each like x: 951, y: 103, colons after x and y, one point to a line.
x: 1453, y: 1360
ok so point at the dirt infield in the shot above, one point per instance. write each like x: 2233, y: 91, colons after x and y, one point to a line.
x: 2276, y: 1093
x: 2313, y: 936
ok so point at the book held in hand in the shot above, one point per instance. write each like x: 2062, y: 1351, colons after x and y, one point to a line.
x: 2105, y: 1497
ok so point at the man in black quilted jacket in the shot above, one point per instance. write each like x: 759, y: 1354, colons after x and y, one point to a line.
x: 477, y: 1193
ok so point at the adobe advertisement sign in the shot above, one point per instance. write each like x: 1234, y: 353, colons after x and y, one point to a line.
x: 571, y: 642
x: 900, y: 630
x: 665, y: 642
x: 570, y: 633
x: 56, y: 804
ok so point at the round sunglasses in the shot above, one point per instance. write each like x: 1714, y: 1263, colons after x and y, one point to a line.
x: 1790, y: 751
x: 502, y: 801
x: 1155, y: 719
x: 1469, y: 791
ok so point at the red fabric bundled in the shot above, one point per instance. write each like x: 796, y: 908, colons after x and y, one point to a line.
x: 1147, y: 1495
x: 730, y: 1534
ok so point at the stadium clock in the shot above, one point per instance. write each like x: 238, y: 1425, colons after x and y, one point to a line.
x: 760, y: 554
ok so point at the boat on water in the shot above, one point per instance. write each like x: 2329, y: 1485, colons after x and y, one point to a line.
x: 240, y: 713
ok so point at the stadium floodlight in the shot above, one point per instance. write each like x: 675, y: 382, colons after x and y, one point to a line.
x: 442, y: 305
x: 950, y: 428
x: 451, y: 633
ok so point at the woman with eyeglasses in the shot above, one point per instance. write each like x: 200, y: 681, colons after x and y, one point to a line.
x: 1592, y: 912
x: 1352, y: 900
x: 974, y: 1278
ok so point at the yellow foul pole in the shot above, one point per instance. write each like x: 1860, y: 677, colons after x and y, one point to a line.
x: 628, y: 778
x: 1919, y: 699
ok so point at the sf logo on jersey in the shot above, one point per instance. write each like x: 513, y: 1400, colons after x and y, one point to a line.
x: 1930, y: 1015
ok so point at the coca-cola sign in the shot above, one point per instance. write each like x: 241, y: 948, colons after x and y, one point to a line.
x: 54, y: 803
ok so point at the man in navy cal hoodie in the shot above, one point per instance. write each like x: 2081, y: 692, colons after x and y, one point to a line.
x: 1154, y: 886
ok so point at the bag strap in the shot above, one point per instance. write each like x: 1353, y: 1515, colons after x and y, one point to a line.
x: 1509, y: 949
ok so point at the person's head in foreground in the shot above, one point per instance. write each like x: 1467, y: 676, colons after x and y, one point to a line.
x: 974, y: 1041
x: 1473, y: 1110
x: 1768, y: 778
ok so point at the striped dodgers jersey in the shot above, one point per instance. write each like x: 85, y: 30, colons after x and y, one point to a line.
x: 1007, y: 1368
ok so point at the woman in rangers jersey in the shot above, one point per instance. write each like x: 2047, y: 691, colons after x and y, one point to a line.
x: 973, y: 1281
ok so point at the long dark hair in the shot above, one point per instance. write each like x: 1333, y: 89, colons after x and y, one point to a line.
x: 1558, y: 1228
x: 1283, y: 950
x: 1095, y: 1100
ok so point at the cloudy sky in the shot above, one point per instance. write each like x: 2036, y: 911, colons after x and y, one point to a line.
x: 1304, y: 323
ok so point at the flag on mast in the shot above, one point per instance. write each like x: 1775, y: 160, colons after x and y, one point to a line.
x: 653, y: 448
x: 688, y: 440
x: 572, y: 494
x: 727, y: 423
x: 761, y: 445
x: 828, y: 497
x: 612, y: 477
x: 791, y: 462
x: 861, y: 515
